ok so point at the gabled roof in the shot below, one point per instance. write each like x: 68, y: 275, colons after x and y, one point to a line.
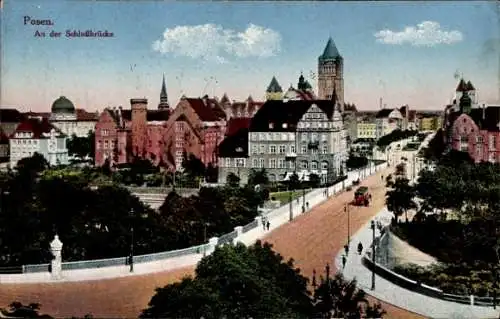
x: 350, y: 107
x: 280, y: 112
x: 36, y: 126
x: 330, y: 51
x: 209, y: 112
x: 8, y: 115
x: 234, y: 146
x: 234, y: 125
x: 4, y: 139
x: 151, y: 115
x: 383, y: 113
x: 274, y: 86
x: 470, y: 87
x: 462, y: 86
x: 225, y: 99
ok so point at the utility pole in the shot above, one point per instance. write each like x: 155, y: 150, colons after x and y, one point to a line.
x: 373, y: 253
x: 290, y: 204
x: 132, y: 249
x: 348, y: 211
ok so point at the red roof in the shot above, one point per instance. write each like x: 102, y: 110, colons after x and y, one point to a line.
x: 82, y: 115
x: 37, y: 114
x: 234, y: 125
x: 209, y: 112
x: 35, y: 126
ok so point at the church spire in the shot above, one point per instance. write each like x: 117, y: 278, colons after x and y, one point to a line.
x: 163, y: 96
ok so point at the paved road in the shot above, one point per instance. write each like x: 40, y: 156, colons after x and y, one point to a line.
x: 312, y: 240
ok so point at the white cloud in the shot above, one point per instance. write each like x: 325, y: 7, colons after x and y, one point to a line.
x: 213, y: 42
x: 427, y: 33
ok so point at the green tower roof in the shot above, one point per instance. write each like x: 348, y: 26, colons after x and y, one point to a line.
x: 274, y: 86
x: 330, y: 51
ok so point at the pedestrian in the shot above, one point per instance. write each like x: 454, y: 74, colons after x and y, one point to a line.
x: 346, y: 248
x: 382, y: 177
x: 307, y: 205
x: 264, y: 223
x: 298, y: 200
x: 344, y: 260
x: 360, y: 248
x: 268, y: 224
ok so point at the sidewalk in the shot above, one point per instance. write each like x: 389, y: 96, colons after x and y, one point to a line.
x: 396, y: 295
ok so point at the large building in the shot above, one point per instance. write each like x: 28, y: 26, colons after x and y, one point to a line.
x: 331, y: 74
x: 366, y: 130
x: 38, y: 136
x: 236, y: 109
x: 286, y: 137
x: 70, y: 120
x: 472, y: 128
x: 388, y: 120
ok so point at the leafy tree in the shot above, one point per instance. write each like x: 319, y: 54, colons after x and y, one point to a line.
x: 34, y: 164
x: 314, y: 180
x: 233, y: 180
x: 258, y: 177
x: 400, y: 198
x: 236, y: 282
x: 211, y: 173
x: 338, y: 298
x: 354, y: 162
x: 18, y: 310
x: 81, y: 146
x: 401, y: 169
x: 435, y: 148
x: 193, y: 166
x: 396, y: 135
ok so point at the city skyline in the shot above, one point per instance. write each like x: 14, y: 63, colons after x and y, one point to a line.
x: 404, y: 53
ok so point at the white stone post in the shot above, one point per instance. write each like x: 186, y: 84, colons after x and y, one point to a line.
x: 472, y: 300
x: 56, y: 263
x: 212, y: 243
x: 239, y: 232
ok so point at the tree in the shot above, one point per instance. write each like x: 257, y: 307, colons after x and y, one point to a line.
x: 81, y: 147
x: 233, y: 180
x: 236, y: 282
x: 338, y: 298
x: 258, y: 177
x: 354, y: 162
x: 193, y: 166
x: 400, y: 198
x: 34, y: 164
x: 314, y: 180
x: 18, y: 310
x: 294, y: 182
x: 435, y: 148
x: 401, y: 169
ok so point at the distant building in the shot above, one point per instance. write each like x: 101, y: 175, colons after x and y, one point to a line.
x: 274, y: 90
x: 70, y: 120
x: 388, y: 120
x: 235, y: 109
x: 38, y: 136
x: 367, y: 130
x: 409, y: 118
x: 4, y: 146
x: 430, y: 123
x: 10, y: 119
x: 331, y: 73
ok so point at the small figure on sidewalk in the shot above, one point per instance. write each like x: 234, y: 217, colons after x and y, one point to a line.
x: 346, y: 248
x: 264, y: 223
x: 344, y: 260
x: 307, y: 205
x: 268, y: 224
x: 382, y: 177
x: 298, y: 200
x: 303, y: 209
x: 360, y: 248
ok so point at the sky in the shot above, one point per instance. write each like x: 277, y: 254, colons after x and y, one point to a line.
x: 403, y: 52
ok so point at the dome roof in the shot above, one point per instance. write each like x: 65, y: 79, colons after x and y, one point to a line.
x: 63, y: 105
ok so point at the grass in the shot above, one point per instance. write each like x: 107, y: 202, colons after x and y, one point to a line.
x: 284, y: 197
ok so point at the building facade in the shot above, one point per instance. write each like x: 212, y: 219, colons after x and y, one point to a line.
x: 286, y: 137
x: 430, y: 123
x: 234, y: 109
x: 367, y: 130
x: 388, y: 120
x: 331, y: 74
x: 70, y: 120
x: 274, y: 90
x: 38, y: 136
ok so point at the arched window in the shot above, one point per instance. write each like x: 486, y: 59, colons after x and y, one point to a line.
x: 304, y: 164
x: 314, y: 165
x: 324, y: 165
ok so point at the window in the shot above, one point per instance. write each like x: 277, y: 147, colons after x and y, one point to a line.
x: 262, y: 149
x: 269, y: 136
x: 314, y: 136
x: 255, y: 162
x: 281, y: 163
x: 255, y: 149
x: 272, y: 149
x: 240, y: 162
x: 314, y: 165
x: 493, y: 142
x: 292, y: 148
x: 261, y: 163
x: 99, y: 145
x: 479, y: 139
x: 285, y: 125
x: 282, y: 149
x: 303, y: 164
x: 272, y: 163
x: 324, y: 137
x: 254, y: 136
x: 303, y: 149
x: 492, y: 157
x: 284, y: 136
x: 106, y: 144
x: 178, y: 126
x: 262, y: 136
x: 324, y: 165
x: 104, y: 132
x: 304, y: 136
x: 324, y: 150
x: 292, y: 164
x: 228, y: 162
x: 271, y: 125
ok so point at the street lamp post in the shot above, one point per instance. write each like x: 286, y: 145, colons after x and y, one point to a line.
x: 132, y: 249
x: 290, y: 204
x: 303, y: 198
x: 373, y: 253
x: 348, y: 211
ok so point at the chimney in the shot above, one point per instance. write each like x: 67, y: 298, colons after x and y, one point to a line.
x: 484, y: 111
x: 120, y: 117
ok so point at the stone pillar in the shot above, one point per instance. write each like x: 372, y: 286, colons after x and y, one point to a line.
x: 239, y: 231
x: 212, y: 243
x: 259, y: 221
x: 472, y: 300
x: 56, y: 263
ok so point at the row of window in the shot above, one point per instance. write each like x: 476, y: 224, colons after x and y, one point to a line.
x: 282, y: 149
x: 323, y: 125
x: 276, y: 163
x: 24, y: 142
x: 107, y: 144
x: 492, y: 142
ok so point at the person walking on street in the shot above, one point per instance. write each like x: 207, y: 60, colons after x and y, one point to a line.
x: 307, y: 205
x: 346, y: 248
x: 344, y: 261
x: 264, y: 223
x: 268, y: 224
x: 360, y: 248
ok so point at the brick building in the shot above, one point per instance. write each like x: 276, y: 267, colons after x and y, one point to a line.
x: 472, y: 128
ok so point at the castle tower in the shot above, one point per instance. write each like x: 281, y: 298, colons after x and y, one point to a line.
x: 274, y: 90
x: 331, y: 73
x: 163, y: 96
x: 139, y: 126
